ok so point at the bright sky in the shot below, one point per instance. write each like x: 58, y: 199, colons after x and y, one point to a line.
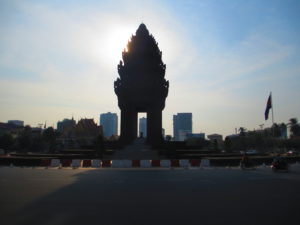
x: 223, y: 57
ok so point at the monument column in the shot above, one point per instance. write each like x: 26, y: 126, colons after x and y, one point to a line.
x: 128, y: 125
x: 154, y: 126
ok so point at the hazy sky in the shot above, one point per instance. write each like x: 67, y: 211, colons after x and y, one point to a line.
x: 223, y: 57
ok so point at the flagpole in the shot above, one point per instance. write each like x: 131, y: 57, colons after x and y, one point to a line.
x: 272, y: 113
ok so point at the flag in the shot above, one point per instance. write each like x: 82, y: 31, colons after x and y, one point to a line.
x: 268, y: 107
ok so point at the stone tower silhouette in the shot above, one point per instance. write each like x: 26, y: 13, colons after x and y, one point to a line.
x: 141, y: 87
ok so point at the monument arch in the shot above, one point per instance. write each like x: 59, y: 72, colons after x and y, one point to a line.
x: 141, y: 86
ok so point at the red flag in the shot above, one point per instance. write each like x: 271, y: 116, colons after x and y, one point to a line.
x: 268, y: 107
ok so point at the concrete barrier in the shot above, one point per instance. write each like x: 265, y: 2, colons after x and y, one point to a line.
x: 155, y: 163
x: 195, y: 162
x: 76, y: 163
x: 145, y: 163
x: 45, y: 162
x: 66, y: 162
x: 116, y: 163
x: 96, y: 163
x: 165, y: 163
x: 184, y: 163
x: 136, y: 163
x: 106, y: 163
x: 55, y: 163
x: 205, y: 163
x: 126, y: 163
x: 86, y: 163
x: 174, y: 163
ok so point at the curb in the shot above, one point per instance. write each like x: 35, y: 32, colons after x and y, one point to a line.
x: 121, y: 163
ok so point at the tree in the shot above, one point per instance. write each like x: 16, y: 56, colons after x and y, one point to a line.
x: 294, y: 127
x: 242, y: 131
x: 227, y: 144
x: 215, y: 145
x: 6, y: 141
x: 37, y: 145
x: 25, y: 139
x: 168, y: 137
x: 49, y: 136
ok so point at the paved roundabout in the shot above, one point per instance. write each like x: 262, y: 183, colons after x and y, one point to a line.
x: 149, y: 196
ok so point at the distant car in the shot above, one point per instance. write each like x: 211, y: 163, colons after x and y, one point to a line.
x: 291, y: 152
x: 252, y: 151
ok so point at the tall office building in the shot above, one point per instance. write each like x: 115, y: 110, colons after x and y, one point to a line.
x: 109, y: 123
x: 182, y: 124
x: 16, y: 122
x: 143, y: 126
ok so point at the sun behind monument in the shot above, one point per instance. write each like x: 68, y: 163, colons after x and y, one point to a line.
x: 141, y: 87
x: 116, y: 41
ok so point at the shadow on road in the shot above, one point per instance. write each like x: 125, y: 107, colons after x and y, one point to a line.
x: 166, y: 197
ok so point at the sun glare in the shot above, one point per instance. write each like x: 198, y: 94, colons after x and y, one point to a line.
x: 115, y: 42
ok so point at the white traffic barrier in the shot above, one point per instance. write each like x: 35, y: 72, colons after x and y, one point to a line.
x: 205, y: 163
x: 96, y: 163
x: 184, y: 163
x: 165, y: 163
x: 145, y: 163
x: 76, y: 163
x: 55, y: 163
x: 116, y: 163
x: 126, y: 163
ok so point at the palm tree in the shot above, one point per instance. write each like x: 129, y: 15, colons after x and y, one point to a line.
x: 294, y: 127
x: 242, y: 131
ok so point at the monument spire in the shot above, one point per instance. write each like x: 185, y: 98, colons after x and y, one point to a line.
x: 141, y: 86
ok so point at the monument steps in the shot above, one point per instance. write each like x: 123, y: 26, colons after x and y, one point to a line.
x: 137, y: 150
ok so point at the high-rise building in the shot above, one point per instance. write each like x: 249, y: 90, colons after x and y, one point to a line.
x: 182, y: 123
x: 16, y: 122
x: 109, y: 122
x: 143, y: 127
x: 196, y: 135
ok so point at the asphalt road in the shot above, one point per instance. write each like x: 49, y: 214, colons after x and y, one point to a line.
x: 149, y: 196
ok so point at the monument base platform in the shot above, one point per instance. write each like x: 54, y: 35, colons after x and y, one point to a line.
x: 137, y: 150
